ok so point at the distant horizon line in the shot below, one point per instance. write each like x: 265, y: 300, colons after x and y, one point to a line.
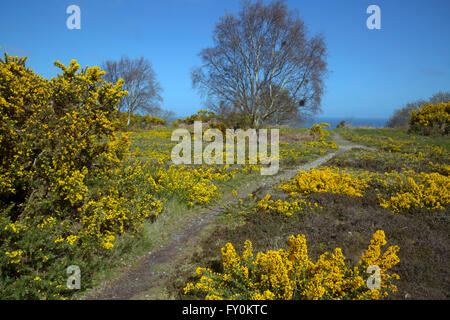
x: 351, y: 117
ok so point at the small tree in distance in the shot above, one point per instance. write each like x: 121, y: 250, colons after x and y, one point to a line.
x: 262, y: 65
x: 140, y: 82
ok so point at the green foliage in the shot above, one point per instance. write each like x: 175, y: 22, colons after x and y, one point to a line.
x: 341, y: 124
x: 138, y: 122
x: 400, y: 118
x: 431, y: 119
x: 318, y: 131
x: 63, y: 194
x: 201, y: 115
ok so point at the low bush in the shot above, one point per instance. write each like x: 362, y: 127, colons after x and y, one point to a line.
x: 408, y: 190
x: 431, y: 119
x: 138, y: 122
x: 325, y: 179
x: 289, y: 274
x: 64, y: 194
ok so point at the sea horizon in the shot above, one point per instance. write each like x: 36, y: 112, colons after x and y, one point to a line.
x: 353, y: 121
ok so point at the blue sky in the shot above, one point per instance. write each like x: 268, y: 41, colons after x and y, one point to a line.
x: 372, y: 72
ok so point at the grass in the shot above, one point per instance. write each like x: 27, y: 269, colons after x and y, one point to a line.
x: 399, y: 135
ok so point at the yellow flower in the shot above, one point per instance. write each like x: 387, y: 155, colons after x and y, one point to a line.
x: 288, y: 274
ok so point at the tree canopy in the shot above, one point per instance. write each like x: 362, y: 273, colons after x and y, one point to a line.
x: 262, y: 65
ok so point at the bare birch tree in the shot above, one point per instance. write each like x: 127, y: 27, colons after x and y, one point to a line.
x: 261, y: 57
x: 140, y: 82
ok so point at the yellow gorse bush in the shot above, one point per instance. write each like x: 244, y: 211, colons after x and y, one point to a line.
x: 318, y: 131
x: 325, y: 179
x: 285, y: 207
x: 409, y: 190
x: 288, y: 274
x: 50, y: 131
x: 62, y: 183
x: 430, y: 119
x: 201, y: 115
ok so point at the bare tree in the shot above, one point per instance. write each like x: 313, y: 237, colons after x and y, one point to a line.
x: 167, y: 115
x: 259, y: 58
x: 400, y: 118
x: 140, y: 82
x: 439, y: 97
x: 286, y: 109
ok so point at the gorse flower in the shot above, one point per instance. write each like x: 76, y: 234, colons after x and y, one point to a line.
x: 57, y: 146
x: 290, y: 274
x: 325, y: 179
x: 287, y: 208
x: 408, y: 190
x: 430, y: 119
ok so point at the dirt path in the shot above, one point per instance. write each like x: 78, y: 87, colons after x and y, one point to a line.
x: 142, y: 277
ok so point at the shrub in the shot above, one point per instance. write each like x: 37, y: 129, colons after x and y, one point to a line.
x: 400, y: 118
x: 287, y: 208
x: 220, y: 122
x: 409, y: 190
x: 431, y: 119
x: 64, y: 194
x: 341, y: 124
x: 318, y: 131
x: 138, y: 122
x: 201, y: 115
x: 290, y: 274
x: 326, y: 179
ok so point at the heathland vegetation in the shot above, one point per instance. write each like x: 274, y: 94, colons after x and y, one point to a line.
x: 87, y: 180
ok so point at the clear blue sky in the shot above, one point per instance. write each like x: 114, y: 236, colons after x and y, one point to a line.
x: 372, y: 71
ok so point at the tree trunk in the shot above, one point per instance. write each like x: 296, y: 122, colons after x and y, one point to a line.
x: 255, y: 122
x: 129, y: 119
